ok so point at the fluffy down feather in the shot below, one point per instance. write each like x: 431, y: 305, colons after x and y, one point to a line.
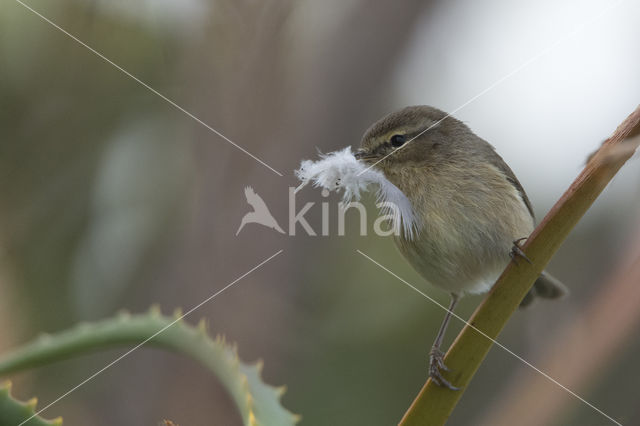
x: 340, y: 170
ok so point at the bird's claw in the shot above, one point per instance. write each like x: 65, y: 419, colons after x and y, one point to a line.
x: 436, y: 364
x: 516, y: 252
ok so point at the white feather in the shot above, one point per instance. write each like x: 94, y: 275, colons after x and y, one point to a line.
x: 340, y: 170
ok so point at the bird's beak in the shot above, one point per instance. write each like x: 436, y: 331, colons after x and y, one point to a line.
x: 363, y: 155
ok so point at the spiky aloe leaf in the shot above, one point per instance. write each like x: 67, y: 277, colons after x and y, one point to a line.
x: 14, y: 412
x: 258, y: 403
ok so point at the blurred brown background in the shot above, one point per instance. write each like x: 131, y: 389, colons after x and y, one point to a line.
x: 111, y: 198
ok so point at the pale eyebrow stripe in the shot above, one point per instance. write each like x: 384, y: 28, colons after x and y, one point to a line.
x: 419, y: 131
x: 413, y: 133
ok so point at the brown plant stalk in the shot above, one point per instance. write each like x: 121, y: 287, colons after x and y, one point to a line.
x: 579, y: 351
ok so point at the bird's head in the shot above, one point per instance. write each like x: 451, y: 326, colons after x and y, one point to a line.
x: 414, y: 136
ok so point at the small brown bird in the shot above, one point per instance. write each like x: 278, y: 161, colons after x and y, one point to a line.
x: 470, y: 209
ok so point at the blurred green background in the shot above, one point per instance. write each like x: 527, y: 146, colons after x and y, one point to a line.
x: 111, y: 198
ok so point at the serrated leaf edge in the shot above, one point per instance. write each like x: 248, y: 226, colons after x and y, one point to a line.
x: 29, y: 406
x: 180, y: 337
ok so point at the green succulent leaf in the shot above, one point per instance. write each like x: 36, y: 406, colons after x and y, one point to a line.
x: 258, y: 403
x: 14, y: 412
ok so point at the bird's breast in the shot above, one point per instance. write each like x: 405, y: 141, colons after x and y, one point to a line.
x: 467, y: 224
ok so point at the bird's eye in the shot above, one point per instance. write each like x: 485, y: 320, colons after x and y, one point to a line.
x: 398, y: 140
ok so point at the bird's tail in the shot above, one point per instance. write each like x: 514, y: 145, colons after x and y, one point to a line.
x: 545, y: 287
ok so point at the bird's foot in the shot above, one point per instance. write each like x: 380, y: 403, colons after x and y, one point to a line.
x: 517, y: 252
x: 436, y: 363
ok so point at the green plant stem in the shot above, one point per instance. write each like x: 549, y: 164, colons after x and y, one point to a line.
x: 257, y: 402
x: 434, y: 404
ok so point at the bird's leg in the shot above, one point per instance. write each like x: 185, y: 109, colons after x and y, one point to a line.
x: 516, y: 251
x: 436, y: 356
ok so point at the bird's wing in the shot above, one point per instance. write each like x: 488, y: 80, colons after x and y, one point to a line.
x: 254, y: 199
x: 513, y: 180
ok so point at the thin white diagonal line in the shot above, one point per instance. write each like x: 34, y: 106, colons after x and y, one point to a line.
x: 548, y: 377
x: 145, y: 85
x: 149, y: 338
x: 519, y: 68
